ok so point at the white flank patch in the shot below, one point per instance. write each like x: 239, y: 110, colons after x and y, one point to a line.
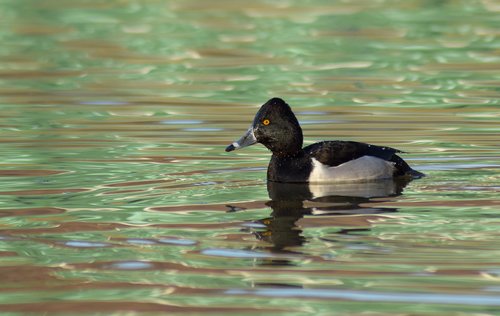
x: 367, y: 189
x: 361, y: 169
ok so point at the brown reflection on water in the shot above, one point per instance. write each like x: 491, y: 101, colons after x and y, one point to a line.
x: 459, y: 203
x: 30, y: 75
x: 136, y: 183
x: 169, y: 267
x: 210, y: 207
x: 68, y: 307
x: 31, y: 211
x: 387, y: 34
x: 43, y: 191
x: 29, y: 173
x: 68, y: 227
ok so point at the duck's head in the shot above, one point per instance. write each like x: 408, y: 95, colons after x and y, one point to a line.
x: 274, y: 126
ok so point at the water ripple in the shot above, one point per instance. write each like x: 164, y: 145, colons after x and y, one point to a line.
x: 430, y: 298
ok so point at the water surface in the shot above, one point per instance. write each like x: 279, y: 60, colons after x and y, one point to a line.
x: 117, y: 195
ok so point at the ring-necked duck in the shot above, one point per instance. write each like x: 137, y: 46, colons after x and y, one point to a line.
x: 276, y: 127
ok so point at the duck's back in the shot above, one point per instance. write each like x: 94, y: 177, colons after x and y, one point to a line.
x: 336, y: 152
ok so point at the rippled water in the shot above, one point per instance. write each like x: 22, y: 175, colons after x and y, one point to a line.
x: 117, y: 195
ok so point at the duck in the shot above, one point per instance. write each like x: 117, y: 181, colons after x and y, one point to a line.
x: 276, y: 127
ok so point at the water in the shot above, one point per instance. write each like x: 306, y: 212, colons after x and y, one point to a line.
x: 117, y: 195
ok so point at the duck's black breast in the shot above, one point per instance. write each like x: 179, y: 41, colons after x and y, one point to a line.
x: 296, y: 168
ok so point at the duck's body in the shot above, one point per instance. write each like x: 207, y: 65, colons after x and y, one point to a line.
x: 276, y: 127
x: 335, y: 161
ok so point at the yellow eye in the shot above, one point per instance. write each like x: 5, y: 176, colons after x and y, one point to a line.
x: 266, y: 122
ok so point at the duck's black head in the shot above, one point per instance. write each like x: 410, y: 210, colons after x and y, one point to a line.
x: 274, y: 126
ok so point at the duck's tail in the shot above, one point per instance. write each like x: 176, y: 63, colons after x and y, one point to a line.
x: 404, y: 170
x: 415, y: 174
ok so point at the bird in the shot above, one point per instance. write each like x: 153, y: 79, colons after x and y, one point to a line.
x: 276, y: 127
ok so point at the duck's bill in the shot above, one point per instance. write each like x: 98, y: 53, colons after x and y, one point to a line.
x: 246, y: 140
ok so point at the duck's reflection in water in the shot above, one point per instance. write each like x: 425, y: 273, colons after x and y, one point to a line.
x: 323, y: 205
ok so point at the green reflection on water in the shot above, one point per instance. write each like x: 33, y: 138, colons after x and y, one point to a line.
x: 114, y: 120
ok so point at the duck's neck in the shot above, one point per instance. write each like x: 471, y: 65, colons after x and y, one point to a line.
x: 288, y: 143
x: 288, y: 153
